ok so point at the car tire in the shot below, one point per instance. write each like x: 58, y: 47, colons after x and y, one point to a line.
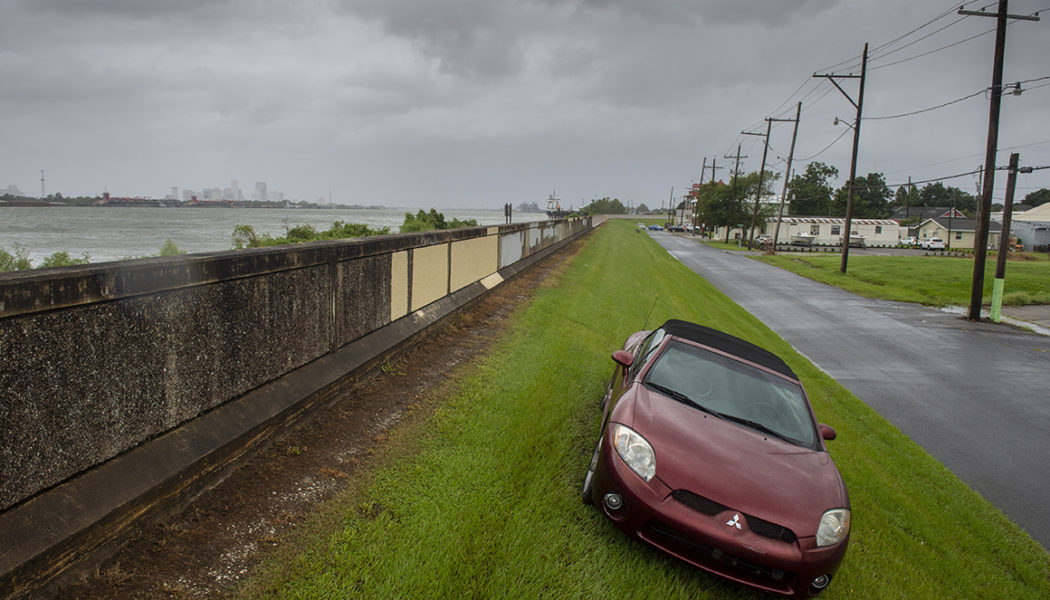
x: 587, y: 490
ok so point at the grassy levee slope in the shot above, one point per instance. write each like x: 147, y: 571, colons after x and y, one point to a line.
x: 930, y: 280
x: 481, y: 499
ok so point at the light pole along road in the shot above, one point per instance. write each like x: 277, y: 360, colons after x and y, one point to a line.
x: 975, y: 395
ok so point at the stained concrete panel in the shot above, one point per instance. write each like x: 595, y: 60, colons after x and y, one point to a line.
x: 363, y: 296
x: 535, y: 238
x: 472, y: 260
x: 81, y: 385
x: 511, y: 248
x: 429, y: 274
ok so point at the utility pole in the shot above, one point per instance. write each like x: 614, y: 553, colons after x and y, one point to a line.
x: 980, y: 250
x: 670, y: 209
x: 696, y: 200
x: 859, y: 104
x: 787, y: 176
x: 951, y: 215
x: 761, y: 173
x: 1004, y: 237
x: 732, y: 194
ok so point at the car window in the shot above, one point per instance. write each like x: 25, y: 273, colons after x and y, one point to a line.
x: 646, y: 350
x: 735, y: 390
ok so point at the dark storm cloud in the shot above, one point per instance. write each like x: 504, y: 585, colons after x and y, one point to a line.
x: 454, y: 100
x: 474, y: 38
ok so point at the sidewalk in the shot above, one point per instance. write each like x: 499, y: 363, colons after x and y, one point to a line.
x: 1035, y: 316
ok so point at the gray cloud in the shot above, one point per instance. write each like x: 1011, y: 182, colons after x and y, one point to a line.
x: 480, y: 101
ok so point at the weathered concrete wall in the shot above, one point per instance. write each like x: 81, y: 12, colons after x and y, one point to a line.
x: 96, y: 359
x: 128, y: 388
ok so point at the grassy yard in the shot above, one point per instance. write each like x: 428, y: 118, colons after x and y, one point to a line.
x: 480, y: 500
x: 930, y: 280
x: 723, y: 245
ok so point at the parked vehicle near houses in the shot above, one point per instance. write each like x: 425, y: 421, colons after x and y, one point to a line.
x: 933, y: 243
x: 709, y: 451
x: 763, y: 240
x: 802, y: 239
x: 908, y: 242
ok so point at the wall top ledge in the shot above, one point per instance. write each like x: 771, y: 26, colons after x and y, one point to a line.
x: 27, y: 292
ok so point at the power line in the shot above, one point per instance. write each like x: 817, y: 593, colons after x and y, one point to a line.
x: 953, y: 44
x: 973, y: 172
x: 826, y: 148
x: 956, y: 101
x: 947, y: 12
x: 927, y: 36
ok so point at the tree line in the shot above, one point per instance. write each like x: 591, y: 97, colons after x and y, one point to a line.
x: 811, y: 193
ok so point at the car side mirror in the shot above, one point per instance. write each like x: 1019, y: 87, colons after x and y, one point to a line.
x: 827, y: 432
x: 623, y: 358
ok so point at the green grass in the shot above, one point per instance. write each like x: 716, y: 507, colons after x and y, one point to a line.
x: 480, y: 500
x: 930, y: 280
x: 722, y: 245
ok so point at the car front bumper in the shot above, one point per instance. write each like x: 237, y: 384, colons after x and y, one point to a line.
x: 715, y: 538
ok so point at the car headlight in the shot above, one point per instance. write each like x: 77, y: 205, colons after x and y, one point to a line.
x: 635, y: 451
x: 834, y: 527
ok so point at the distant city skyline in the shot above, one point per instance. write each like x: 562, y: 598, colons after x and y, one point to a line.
x: 261, y: 192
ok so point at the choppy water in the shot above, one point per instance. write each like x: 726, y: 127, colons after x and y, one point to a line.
x: 118, y: 233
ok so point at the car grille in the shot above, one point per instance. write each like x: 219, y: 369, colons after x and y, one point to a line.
x: 699, y: 503
x: 711, y: 508
x: 719, y: 561
x: 770, y: 530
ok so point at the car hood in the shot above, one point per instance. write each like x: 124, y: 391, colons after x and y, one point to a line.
x: 734, y: 465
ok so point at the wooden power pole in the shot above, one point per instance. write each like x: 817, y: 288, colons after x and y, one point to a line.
x: 859, y: 104
x: 980, y: 243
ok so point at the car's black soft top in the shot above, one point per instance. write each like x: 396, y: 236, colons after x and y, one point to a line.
x: 729, y: 344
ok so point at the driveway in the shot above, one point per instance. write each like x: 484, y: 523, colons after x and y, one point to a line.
x: 975, y: 395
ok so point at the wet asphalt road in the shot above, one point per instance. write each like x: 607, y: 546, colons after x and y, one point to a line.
x: 975, y: 395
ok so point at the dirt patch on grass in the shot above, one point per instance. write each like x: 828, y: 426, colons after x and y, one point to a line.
x: 213, y: 543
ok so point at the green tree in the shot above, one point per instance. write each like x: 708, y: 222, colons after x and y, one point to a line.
x: 641, y: 209
x: 714, y: 205
x: 811, y: 192
x: 1038, y: 197
x: 429, y: 221
x: 244, y: 236
x: 871, y: 198
x: 170, y: 249
x: 63, y: 259
x: 907, y: 195
x: 604, y: 206
x: 19, y: 261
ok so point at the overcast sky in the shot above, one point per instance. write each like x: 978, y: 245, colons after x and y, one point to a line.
x: 476, y: 103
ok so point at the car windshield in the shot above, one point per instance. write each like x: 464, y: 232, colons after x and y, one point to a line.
x: 735, y: 391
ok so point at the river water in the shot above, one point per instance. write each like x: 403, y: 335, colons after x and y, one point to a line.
x: 118, y: 233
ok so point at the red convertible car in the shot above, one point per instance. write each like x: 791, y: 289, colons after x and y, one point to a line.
x: 709, y: 451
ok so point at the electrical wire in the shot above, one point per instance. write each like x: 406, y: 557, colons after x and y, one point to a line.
x: 925, y: 110
x: 913, y: 42
x: 957, y: 100
x: 935, y: 50
x: 974, y: 172
x: 825, y: 149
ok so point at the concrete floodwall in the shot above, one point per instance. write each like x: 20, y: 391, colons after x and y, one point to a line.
x: 99, y: 362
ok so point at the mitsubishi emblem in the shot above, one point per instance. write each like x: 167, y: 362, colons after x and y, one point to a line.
x: 735, y: 521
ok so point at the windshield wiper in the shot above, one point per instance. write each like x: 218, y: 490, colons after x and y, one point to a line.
x: 679, y: 396
x: 759, y: 427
